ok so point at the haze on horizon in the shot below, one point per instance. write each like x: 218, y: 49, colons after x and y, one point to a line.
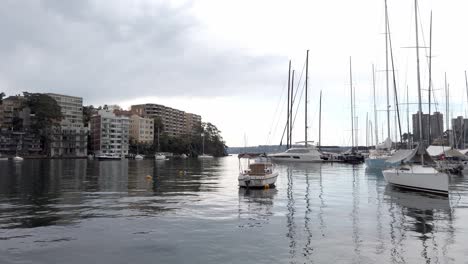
x: 227, y: 60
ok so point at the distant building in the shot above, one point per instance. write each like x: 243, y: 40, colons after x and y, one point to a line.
x: 436, y: 127
x: 19, y: 143
x: 176, y: 122
x: 141, y: 129
x: 459, y: 135
x: 109, y: 133
x: 9, y: 109
x: 71, y: 138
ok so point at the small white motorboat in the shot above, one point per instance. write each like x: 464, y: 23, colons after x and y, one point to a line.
x: 17, y: 158
x: 256, y: 171
x: 159, y: 156
x: 205, y: 156
x: 138, y: 157
x: 183, y: 156
x: 109, y: 157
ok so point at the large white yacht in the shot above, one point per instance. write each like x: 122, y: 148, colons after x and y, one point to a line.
x: 298, y: 154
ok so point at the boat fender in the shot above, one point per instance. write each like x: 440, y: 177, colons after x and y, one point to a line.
x: 149, y: 177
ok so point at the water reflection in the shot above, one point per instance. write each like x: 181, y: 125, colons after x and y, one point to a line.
x: 318, y: 213
x: 255, y: 206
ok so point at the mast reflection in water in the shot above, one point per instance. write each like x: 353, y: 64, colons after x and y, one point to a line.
x: 184, y: 211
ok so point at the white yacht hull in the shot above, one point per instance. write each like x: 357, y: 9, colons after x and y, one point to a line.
x: 417, y: 177
x: 295, y: 158
x: 256, y: 181
x: 205, y: 156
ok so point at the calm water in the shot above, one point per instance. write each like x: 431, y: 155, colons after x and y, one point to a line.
x: 81, y: 211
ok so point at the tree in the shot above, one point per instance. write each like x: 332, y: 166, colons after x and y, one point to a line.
x: 88, y: 112
x: 45, y: 116
x: 2, y: 94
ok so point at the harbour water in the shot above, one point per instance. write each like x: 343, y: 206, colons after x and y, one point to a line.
x: 191, y: 211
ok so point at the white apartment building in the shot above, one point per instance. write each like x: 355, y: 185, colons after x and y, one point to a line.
x: 71, y: 139
x: 109, y: 133
x: 141, y: 129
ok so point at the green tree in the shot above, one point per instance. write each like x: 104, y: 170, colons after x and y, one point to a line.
x: 2, y: 94
x: 88, y: 112
x: 45, y: 116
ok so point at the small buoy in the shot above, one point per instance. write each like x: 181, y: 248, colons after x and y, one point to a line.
x: 148, y: 177
x: 267, y: 186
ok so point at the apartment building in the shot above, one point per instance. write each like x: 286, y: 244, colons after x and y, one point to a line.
x: 71, y: 138
x: 174, y: 120
x: 109, y: 133
x: 141, y: 129
x: 192, y: 123
x: 436, y: 126
x: 9, y: 108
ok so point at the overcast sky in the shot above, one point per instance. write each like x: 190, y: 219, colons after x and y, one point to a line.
x: 227, y: 60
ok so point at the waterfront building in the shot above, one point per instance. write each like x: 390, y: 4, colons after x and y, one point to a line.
x: 9, y: 109
x: 436, y: 129
x: 19, y: 143
x: 70, y: 139
x: 176, y: 122
x: 109, y: 133
x: 141, y: 129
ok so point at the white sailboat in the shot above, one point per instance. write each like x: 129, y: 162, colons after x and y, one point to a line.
x: 415, y: 171
x: 159, y: 156
x: 378, y: 158
x: 203, y: 155
x: 308, y: 153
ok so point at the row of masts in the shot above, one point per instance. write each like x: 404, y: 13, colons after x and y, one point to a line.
x: 290, y: 106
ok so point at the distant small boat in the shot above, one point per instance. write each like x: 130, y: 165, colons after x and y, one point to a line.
x: 108, y: 157
x: 159, y: 156
x: 138, y: 157
x: 90, y: 157
x: 183, y: 156
x: 259, y: 173
x: 205, y: 156
x: 17, y: 158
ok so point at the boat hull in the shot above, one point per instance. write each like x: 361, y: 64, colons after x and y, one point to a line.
x: 257, y: 181
x: 296, y: 158
x: 419, y: 178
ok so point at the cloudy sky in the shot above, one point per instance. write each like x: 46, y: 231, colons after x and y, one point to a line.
x: 227, y: 60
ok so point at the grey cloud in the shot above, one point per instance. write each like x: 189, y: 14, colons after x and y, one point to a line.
x: 97, y: 50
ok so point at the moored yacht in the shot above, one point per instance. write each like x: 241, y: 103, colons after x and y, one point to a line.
x: 416, y: 172
x: 308, y: 153
x: 259, y: 172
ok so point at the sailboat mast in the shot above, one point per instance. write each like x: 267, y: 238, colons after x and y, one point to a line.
x: 375, y: 109
x: 287, y: 111
x: 306, y: 79
x: 352, y: 114
x: 320, y: 120
x: 419, y: 77
x: 367, y: 130
x: 386, y: 70
x: 430, y: 80
x: 407, y: 116
x: 291, y: 110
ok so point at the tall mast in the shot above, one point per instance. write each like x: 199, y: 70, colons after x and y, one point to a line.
x: 352, y: 114
x: 407, y: 115
x: 466, y: 85
x: 430, y: 80
x: 447, y: 124
x: 306, y: 79
x: 367, y: 130
x: 375, y: 109
x: 419, y: 79
x: 287, y: 111
x: 320, y: 120
x: 291, y: 110
x: 386, y: 70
